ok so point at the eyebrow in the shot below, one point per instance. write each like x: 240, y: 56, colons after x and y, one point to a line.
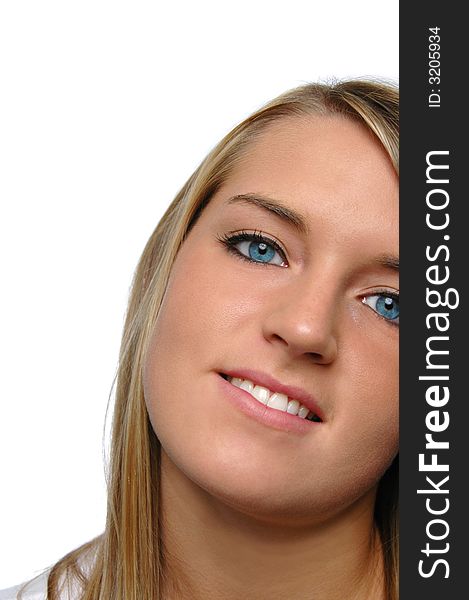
x: 298, y: 221
x: 390, y: 262
x: 272, y: 206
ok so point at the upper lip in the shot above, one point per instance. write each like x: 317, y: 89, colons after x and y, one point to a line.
x: 264, y: 380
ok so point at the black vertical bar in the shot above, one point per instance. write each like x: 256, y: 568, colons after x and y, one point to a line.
x: 434, y: 246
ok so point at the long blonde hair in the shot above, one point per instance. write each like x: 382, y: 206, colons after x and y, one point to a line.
x: 127, y: 561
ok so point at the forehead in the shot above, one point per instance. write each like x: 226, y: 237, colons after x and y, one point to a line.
x: 331, y: 170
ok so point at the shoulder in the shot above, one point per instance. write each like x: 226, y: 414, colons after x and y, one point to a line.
x: 36, y: 589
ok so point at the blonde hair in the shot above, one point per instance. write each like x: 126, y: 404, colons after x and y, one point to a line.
x: 128, y: 558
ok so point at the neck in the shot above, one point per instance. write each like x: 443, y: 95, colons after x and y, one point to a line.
x: 213, y: 552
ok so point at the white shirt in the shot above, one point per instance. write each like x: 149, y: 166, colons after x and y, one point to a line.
x: 36, y: 589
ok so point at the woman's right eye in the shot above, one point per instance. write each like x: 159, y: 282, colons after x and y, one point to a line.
x: 255, y: 247
x: 260, y: 252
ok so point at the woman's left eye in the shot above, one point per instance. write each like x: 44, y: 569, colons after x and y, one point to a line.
x: 384, y: 304
x: 255, y: 247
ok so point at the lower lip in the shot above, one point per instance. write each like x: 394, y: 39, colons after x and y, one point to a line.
x: 263, y: 414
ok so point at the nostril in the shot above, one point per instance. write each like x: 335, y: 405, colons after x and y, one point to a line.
x: 315, y: 356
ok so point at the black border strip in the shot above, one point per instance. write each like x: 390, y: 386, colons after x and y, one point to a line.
x: 434, y: 249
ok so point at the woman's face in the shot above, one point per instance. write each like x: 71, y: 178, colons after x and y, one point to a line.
x: 287, y: 281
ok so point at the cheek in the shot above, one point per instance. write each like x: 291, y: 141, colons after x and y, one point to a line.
x: 203, y: 292
x: 189, y: 309
x: 372, y: 415
x: 207, y: 304
x: 200, y: 313
x: 364, y: 436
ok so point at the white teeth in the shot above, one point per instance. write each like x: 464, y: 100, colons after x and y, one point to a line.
x: 274, y: 400
x: 278, y: 401
x: 293, y: 407
x: 261, y: 393
x: 247, y: 385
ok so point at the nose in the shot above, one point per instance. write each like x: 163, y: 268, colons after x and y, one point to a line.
x: 303, y: 318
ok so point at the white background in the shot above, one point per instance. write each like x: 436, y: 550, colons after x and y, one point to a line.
x: 105, y: 109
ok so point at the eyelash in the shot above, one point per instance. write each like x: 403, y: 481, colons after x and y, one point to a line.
x: 230, y: 242
x: 388, y: 294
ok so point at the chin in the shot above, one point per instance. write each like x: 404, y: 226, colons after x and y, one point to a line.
x: 268, y: 497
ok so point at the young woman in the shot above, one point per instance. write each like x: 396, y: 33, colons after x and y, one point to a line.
x: 255, y: 431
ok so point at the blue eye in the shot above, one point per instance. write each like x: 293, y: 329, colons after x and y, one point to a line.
x: 255, y: 247
x: 384, y: 304
x: 260, y: 251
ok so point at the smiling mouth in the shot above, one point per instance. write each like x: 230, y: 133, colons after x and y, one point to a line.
x: 275, y: 400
